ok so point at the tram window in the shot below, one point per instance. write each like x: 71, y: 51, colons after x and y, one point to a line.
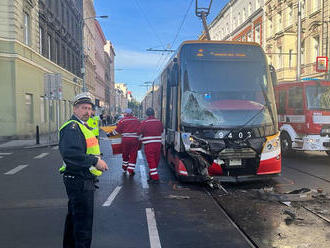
x: 174, y: 75
x: 295, y: 98
x: 282, y: 102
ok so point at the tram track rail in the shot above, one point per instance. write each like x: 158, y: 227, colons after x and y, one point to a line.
x: 307, y: 173
x: 230, y: 218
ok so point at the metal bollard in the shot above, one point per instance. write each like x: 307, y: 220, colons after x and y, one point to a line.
x: 37, y: 135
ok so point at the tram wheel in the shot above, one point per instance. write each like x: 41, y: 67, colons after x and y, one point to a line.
x: 286, y: 144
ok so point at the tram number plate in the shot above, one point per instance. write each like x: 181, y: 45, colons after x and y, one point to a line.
x: 242, y: 134
x: 235, y: 162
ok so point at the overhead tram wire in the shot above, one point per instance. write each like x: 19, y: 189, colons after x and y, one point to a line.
x: 182, y: 22
x: 139, y: 7
x: 174, y: 40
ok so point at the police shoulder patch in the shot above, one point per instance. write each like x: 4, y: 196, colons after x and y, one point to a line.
x: 74, y: 126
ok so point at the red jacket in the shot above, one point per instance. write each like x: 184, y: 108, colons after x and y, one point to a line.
x: 128, y: 127
x: 151, y: 130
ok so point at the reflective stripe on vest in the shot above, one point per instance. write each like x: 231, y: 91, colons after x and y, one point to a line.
x: 151, y: 139
x: 92, y: 144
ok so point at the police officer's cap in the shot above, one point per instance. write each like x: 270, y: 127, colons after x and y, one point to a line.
x: 150, y: 112
x: 84, y: 97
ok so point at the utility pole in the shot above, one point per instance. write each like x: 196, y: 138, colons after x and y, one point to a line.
x: 203, y: 13
x: 299, y: 43
x: 152, y: 96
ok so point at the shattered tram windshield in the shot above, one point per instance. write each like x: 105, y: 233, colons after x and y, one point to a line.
x: 225, y: 92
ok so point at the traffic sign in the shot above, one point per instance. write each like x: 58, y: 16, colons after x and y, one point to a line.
x: 321, y: 64
x: 53, y: 86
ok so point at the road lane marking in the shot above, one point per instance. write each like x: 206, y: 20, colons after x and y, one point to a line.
x: 5, y: 153
x: 152, y: 228
x: 143, y: 177
x: 112, y: 196
x: 17, y: 169
x: 143, y: 171
x: 140, y: 156
x: 44, y: 154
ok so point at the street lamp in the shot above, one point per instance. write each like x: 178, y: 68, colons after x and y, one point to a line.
x: 83, y: 69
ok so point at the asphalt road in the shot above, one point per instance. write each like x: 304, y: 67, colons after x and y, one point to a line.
x: 128, y: 211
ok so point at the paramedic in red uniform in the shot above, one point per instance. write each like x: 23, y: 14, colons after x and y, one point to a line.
x: 128, y: 127
x: 151, y: 131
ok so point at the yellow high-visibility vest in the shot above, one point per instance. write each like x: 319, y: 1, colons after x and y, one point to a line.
x: 93, y: 122
x: 92, y: 144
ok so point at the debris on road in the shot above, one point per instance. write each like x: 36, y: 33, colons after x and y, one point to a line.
x: 286, y: 203
x: 178, y: 197
x: 302, y: 194
x: 292, y: 216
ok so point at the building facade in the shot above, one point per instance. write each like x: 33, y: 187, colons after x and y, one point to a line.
x: 89, y: 45
x: 100, y: 67
x: 239, y: 20
x: 110, y: 76
x: 121, y: 101
x: 28, y: 51
x: 281, y: 36
x: 273, y: 24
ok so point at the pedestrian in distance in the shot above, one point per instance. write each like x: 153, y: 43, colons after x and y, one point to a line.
x: 80, y: 151
x: 94, y: 123
x: 151, y: 131
x: 128, y: 127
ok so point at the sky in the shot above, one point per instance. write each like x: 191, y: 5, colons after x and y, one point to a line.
x: 136, y: 25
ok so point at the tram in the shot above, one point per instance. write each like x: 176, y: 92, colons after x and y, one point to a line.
x: 217, y: 104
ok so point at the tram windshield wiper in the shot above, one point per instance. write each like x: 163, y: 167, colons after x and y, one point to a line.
x: 269, y: 107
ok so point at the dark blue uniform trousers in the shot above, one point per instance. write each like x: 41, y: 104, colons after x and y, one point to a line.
x: 79, y: 220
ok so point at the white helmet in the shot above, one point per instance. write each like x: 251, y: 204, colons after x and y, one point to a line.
x: 84, y: 97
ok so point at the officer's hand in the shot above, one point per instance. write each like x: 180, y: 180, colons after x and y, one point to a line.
x: 101, y: 165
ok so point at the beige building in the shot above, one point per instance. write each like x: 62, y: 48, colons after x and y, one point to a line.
x: 110, y: 77
x: 273, y: 24
x: 281, y: 36
x: 23, y: 64
x: 121, y: 101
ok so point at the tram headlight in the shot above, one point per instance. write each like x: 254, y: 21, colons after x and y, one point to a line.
x: 272, y: 147
x: 186, y: 140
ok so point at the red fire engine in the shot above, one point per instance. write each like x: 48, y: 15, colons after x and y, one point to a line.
x: 304, y: 115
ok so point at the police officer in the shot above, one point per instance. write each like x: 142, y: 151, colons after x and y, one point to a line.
x: 82, y: 163
x: 151, y: 131
x: 93, y: 122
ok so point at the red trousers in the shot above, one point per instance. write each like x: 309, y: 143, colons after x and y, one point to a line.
x: 152, y: 151
x: 130, y: 148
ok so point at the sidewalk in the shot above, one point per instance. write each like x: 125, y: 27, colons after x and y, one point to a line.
x: 44, y: 140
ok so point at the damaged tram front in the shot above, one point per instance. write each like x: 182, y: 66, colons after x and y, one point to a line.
x: 219, y: 112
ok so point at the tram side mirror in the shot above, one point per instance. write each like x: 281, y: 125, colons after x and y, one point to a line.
x: 174, y: 74
x: 273, y: 75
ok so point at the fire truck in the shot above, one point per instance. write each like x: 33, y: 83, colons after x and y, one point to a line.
x: 304, y: 115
